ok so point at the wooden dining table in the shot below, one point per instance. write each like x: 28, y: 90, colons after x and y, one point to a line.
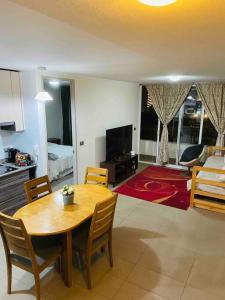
x: 49, y: 216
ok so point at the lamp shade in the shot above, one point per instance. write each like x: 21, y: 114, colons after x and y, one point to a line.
x: 43, y: 96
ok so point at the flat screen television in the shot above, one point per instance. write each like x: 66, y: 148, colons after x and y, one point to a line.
x: 118, y: 142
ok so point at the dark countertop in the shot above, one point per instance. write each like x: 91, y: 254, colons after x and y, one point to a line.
x: 18, y: 168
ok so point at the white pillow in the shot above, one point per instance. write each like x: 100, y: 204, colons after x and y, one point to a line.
x: 221, y: 177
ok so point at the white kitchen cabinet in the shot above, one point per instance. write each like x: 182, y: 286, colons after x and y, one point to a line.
x: 5, y: 97
x: 17, y: 101
x: 11, y: 107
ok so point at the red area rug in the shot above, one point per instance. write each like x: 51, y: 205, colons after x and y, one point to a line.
x: 160, y: 185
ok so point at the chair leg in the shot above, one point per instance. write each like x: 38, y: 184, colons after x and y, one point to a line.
x: 110, y: 252
x: 79, y: 259
x: 9, y: 273
x: 37, y: 286
x: 58, y: 265
x: 88, y: 266
x: 189, y: 171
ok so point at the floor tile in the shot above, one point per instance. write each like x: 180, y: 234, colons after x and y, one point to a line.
x: 129, y: 291
x: 156, y: 283
x: 19, y: 289
x: 128, y: 251
x: 168, y: 259
x: 75, y: 292
x: 196, y: 294
x: 108, y: 286
x: 208, y: 274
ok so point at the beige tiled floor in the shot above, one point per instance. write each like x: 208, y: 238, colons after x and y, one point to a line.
x: 159, y: 253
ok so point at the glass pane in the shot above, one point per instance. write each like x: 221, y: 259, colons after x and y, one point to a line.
x: 173, y: 128
x: 209, y: 133
x: 172, y: 132
x: 149, y: 129
x: 191, y: 121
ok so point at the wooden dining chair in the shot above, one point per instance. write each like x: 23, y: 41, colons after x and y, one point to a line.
x: 96, y: 176
x: 87, y: 241
x: 20, y: 251
x: 37, y: 188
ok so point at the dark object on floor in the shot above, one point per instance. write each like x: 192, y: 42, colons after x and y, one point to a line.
x: 192, y: 156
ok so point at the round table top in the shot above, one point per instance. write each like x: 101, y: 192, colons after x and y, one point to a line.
x: 48, y: 215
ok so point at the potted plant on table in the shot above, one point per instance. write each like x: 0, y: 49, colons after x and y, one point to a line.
x: 68, y: 194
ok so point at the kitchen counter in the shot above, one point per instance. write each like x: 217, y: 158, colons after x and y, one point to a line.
x: 12, y: 165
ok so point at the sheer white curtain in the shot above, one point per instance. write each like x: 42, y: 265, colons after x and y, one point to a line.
x: 213, y: 97
x: 166, y: 100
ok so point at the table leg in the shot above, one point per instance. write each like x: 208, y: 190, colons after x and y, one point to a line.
x: 67, y: 258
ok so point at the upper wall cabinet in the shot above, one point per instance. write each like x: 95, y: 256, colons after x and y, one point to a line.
x: 11, y: 107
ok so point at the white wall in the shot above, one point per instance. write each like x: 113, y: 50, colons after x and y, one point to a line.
x: 102, y: 104
x: 147, y: 147
x: 5, y: 142
x: 54, y: 119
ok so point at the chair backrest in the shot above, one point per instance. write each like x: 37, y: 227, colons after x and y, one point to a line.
x: 192, y: 153
x: 37, y: 188
x: 15, y: 237
x: 102, y: 220
x: 97, y: 176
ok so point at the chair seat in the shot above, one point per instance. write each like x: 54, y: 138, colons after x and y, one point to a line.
x: 42, y: 242
x: 44, y: 247
x: 192, y: 155
x: 80, y: 238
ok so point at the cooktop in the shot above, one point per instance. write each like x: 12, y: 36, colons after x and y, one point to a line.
x: 6, y: 169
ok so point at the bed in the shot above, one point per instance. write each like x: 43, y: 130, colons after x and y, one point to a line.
x: 208, y: 182
x: 60, y: 161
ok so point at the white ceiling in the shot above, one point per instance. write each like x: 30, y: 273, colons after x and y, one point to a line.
x: 119, y: 39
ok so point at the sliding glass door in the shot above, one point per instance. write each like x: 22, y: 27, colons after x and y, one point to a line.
x: 190, y: 126
x: 191, y: 117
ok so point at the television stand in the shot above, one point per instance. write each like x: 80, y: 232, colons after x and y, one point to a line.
x: 120, y: 170
x: 122, y: 158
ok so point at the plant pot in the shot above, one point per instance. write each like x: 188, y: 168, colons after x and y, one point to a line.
x: 68, y: 199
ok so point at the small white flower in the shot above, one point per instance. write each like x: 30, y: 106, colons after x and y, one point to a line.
x: 65, y: 187
x: 70, y: 190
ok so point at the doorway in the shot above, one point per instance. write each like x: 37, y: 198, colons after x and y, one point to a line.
x: 60, y: 124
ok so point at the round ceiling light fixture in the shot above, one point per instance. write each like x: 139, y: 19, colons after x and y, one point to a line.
x: 174, y: 78
x: 157, y: 2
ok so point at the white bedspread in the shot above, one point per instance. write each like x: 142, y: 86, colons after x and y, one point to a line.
x: 216, y: 162
x: 64, y: 163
